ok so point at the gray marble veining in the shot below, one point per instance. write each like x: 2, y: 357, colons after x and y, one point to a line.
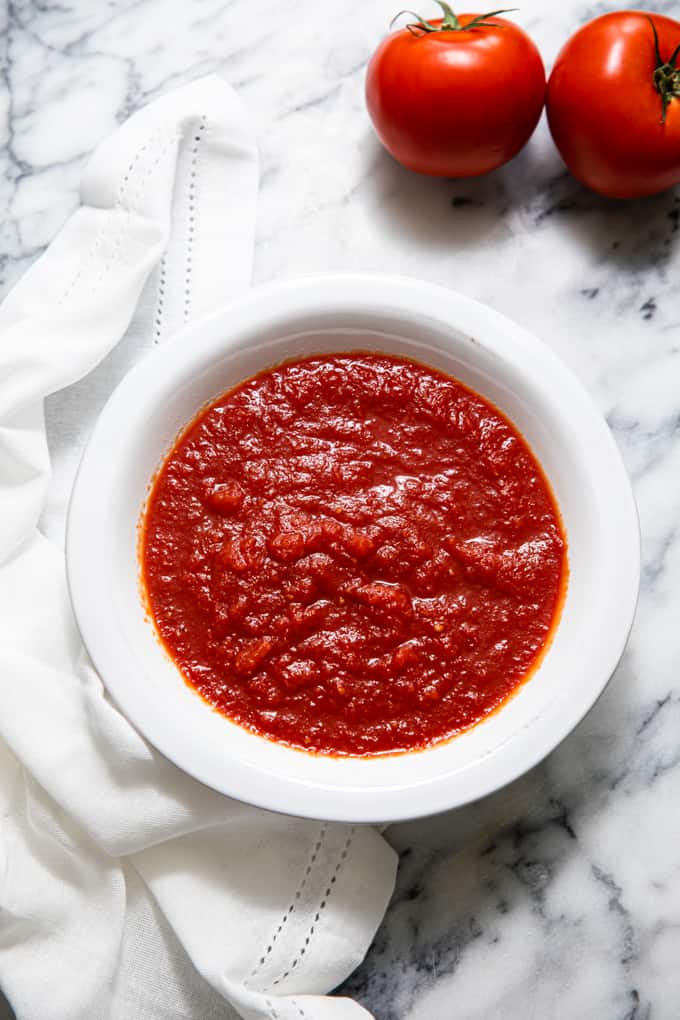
x: 560, y: 895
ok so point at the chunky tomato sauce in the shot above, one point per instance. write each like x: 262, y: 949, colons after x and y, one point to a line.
x: 353, y: 554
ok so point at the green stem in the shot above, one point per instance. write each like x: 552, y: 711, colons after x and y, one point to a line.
x: 450, y: 21
x: 666, y: 76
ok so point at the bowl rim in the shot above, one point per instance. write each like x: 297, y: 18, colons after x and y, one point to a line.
x: 289, y: 795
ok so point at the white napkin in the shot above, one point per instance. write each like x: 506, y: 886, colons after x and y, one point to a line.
x: 273, y: 911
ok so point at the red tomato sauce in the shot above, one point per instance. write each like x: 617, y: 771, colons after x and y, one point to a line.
x: 353, y: 554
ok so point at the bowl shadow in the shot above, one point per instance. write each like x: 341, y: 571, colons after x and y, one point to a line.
x: 465, y: 875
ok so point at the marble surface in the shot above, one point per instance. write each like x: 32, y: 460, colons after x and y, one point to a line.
x: 559, y: 896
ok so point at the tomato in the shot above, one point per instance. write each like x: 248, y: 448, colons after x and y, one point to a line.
x: 458, y: 96
x: 606, y: 108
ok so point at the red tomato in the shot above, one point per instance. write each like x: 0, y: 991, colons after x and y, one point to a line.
x: 605, y: 105
x: 456, y: 102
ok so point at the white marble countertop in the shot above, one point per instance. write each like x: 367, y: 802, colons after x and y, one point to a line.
x: 559, y: 896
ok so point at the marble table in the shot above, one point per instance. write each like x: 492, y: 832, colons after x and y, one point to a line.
x: 559, y: 896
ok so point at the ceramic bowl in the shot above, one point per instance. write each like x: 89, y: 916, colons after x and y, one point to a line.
x: 487, y: 352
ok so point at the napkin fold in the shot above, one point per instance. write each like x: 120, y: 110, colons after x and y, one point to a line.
x: 114, y: 863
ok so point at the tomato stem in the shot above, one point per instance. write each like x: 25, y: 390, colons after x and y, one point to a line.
x: 450, y: 21
x: 666, y: 75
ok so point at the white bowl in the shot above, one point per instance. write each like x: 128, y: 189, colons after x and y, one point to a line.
x: 402, y: 316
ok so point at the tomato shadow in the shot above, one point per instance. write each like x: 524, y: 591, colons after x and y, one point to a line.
x: 533, y: 192
x: 632, y: 235
x: 436, y: 213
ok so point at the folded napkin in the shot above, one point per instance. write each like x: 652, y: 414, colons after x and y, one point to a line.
x: 114, y: 862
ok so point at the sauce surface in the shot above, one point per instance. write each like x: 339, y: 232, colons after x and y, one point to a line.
x: 353, y: 554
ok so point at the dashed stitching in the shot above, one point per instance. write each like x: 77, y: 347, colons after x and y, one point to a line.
x: 103, y: 230
x: 191, y: 225
x: 160, y: 301
x: 134, y: 204
x: 322, y: 906
x: 275, y: 1016
x: 291, y: 909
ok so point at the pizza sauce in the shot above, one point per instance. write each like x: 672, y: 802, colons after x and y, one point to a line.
x: 353, y: 554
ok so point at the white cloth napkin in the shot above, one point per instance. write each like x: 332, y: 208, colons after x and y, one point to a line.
x: 273, y: 911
